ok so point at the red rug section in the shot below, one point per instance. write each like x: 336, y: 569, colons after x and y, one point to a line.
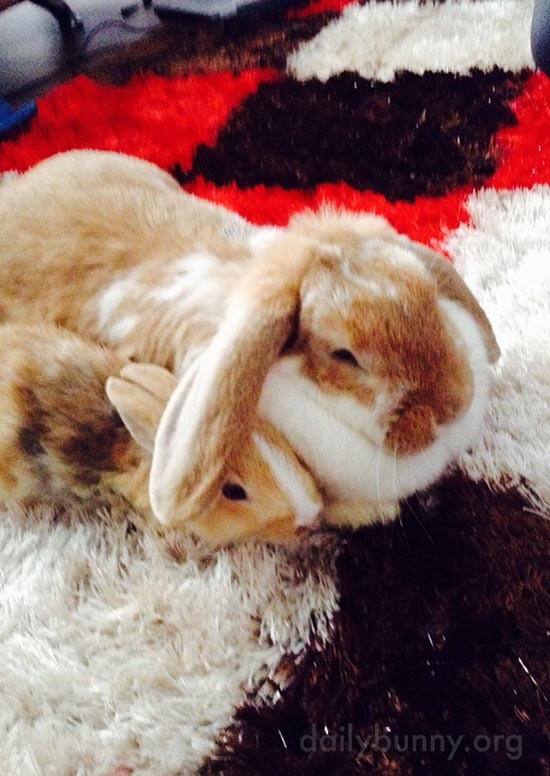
x: 159, y: 119
x: 164, y: 119
x: 524, y: 160
x: 427, y: 219
x: 524, y: 150
x: 320, y: 6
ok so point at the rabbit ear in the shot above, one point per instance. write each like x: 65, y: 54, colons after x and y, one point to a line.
x: 139, y: 395
x: 453, y: 287
x: 153, y: 378
x: 210, y: 413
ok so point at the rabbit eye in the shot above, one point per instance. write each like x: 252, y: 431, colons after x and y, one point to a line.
x: 234, y: 492
x: 346, y: 356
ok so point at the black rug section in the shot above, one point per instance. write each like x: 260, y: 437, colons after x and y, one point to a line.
x: 417, y: 135
x: 178, y: 49
x: 444, y: 630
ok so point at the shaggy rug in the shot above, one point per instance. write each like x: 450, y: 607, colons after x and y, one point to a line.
x: 419, y: 647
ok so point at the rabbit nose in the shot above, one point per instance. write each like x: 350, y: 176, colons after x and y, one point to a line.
x: 412, y: 428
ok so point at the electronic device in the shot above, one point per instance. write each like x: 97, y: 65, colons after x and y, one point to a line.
x: 216, y: 9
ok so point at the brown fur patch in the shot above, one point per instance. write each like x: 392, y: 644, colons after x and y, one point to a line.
x: 387, y: 315
x: 67, y: 438
x: 33, y: 421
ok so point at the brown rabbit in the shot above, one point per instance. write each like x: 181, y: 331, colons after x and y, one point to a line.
x: 64, y: 440
x: 366, y: 350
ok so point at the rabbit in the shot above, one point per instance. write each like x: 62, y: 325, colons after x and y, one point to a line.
x: 365, y: 349
x: 78, y: 427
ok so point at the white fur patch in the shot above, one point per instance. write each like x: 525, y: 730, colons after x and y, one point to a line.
x: 195, y: 274
x: 236, y: 229
x: 195, y: 284
x: 262, y: 236
x: 341, y: 440
x: 504, y: 256
x: 110, y: 298
x: 290, y: 481
x: 382, y: 288
x: 377, y: 40
x: 9, y: 175
x: 393, y: 255
x: 121, y: 327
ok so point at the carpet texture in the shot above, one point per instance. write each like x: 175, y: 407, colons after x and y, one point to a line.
x: 417, y: 647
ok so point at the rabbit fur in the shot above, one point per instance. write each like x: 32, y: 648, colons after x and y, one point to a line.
x: 364, y: 349
x: 78, y: 424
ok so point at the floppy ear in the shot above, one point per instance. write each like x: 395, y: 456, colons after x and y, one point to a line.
x: 151, y: 377
x: 453, y: 287
x: 210, y: 413
x: 140, y: 395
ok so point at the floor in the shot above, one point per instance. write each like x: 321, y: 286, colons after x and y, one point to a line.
x: 34, y: 55
x: 118, y: 37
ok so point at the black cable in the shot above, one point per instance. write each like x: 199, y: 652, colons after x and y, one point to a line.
x: 65, y: 17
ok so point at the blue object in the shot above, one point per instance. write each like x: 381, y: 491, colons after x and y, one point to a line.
x: 12, y: 119
x: 540, y: 35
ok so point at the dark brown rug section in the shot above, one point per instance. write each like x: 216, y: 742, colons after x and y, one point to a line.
x: 200, y: 47
x: 418, y: 135
x: 438, y: 658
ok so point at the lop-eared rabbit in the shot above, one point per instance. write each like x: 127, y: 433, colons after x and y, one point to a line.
x: 78, y: 425
x: 364, y: 349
